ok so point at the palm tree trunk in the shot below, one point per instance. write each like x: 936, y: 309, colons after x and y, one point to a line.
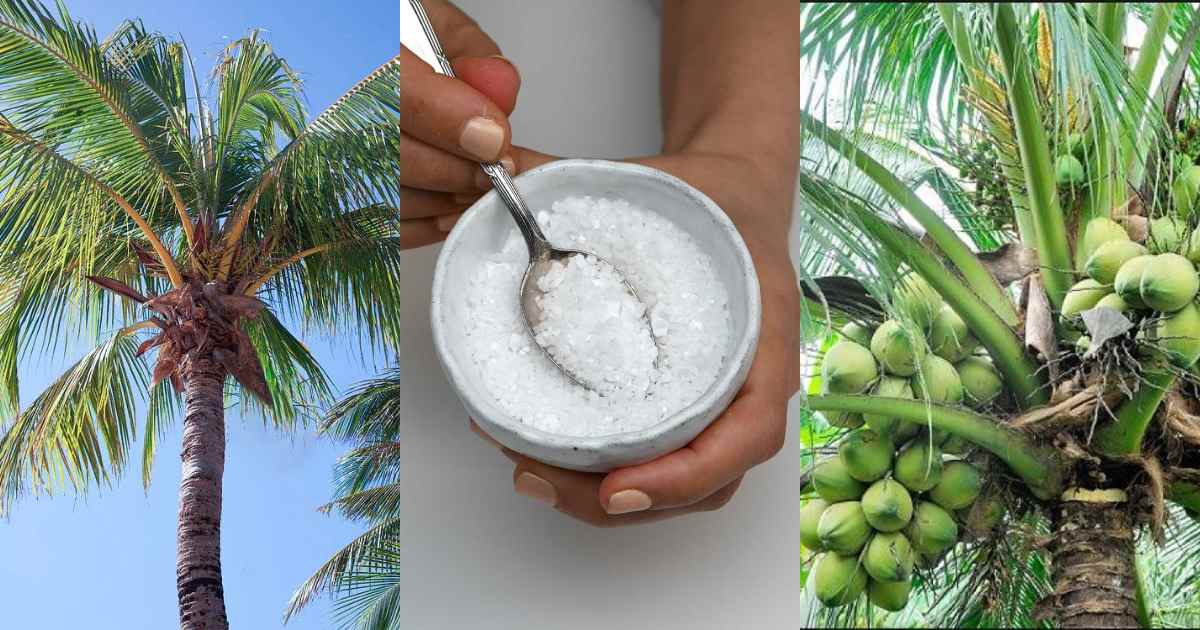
x: 1094, y: 575
x: 198, y: 555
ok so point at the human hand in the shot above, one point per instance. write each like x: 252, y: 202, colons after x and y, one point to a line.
x: 705, y: 474
x: 448, y: 125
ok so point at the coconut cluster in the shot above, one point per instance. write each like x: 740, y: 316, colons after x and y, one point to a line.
x: 895, y: 493
x: 882, y: 511
x: 1156, y: 283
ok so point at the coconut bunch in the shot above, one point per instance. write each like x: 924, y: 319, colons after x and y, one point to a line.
x: 1154, y: 285
x: 943, y: 363
x: 881, y: 511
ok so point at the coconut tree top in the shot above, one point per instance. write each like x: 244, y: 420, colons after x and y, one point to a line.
x: 1037, y: 181
x: 177, y: 219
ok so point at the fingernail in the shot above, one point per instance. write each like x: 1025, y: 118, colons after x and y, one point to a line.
x: 483, y: 182
x: 482, y: 138
x: 627, y: 501
x: 446, y: 222
x: 534, y: 487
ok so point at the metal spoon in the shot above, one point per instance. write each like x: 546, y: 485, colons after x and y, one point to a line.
x: 542, y: 255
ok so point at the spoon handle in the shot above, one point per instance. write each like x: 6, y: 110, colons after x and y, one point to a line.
x: 425, y: 44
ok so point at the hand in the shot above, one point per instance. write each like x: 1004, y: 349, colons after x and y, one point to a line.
x: 448, y: 125
x: 705, y: 474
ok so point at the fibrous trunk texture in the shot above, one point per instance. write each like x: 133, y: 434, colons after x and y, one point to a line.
x: 1094, y: 583
x: 198, y: 540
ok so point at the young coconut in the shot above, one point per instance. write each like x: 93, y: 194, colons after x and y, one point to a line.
x: 842, y: 528
x: 857, y: 333
x: 890, y: 596
x: 917, y: 299
x: 891, y: 387
x: 847, y: 368
x: 887, y: 506
x: 937, y: 381
x: 833, y: 483
x: 1099, y: 231
x: 958, y: 487
x: 932, y: 529
x: 1178, y: 336
x: 918, y: 466
x: 1193, y: 247
x: 810, y: 515
x: 1103, y: 265
x: 899, y: 352
x: 1169, y: 283
x: 955, y: 445
x: 838, y: 579
x: 867, y: 455
x: 1166, y: 235
x: 1113, y: 301
x: 889, y: 557
x: 980, y: 381
x: 1128, y: 283
x: 1068, y: 171
x: 949, y: 336
x: 1082, y: 296
x: 1185, y: 189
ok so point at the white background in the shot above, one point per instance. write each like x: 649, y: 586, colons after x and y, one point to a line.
x: 475, y: 554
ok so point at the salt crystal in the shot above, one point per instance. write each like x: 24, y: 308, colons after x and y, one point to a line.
x: 592, y: 323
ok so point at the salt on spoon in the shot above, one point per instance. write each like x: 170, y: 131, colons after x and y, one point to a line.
x: 570, y: 336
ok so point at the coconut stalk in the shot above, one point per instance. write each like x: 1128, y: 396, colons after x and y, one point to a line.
x: 1052, y: 247
x: 964, y: 49
x: 1038, y: 466
x: 1008, y: 353
x: 1124, y: 436
x: 955, y: 250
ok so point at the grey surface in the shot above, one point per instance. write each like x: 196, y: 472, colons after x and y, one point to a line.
x: 475, y: 554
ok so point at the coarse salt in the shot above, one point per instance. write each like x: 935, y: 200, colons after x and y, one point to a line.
x: 595, y: 328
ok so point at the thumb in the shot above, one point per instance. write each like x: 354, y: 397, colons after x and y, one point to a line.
x: 495, y: 77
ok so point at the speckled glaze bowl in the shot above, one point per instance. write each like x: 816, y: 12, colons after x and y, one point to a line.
x: 483, y: 230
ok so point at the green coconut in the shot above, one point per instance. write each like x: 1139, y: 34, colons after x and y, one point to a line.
x: 1068, y: 171
x: 1185, y: 189
x: 810, y: 515
x: 1077, y: 144
x: 1169, y: 283
x: 1082, y: 296
x: 867, y: 455
x: 958, y: 487
x: 887, y: 505
x: 955, y: 445
x: 899, y: 352
x: 1128, y: 283
x: 847, y: 368
x: 1098, y: 232
x: 1178, y: 336
x: 918, y: 465
x: 838, y: 579
x: 843, y: 528
x: 833, y: 482
x: 889, y: 557
x: 890, y: 596
x: 949, y: 336
x: 889, y: 387
x: 857, y: 333
x: 937, y: 381
x: 932, y: 529
x: 980, y: 381
x: 1193, y: 247
x: 1113, y: 301
x: 1167, y: 234
x: 917, y: 299
x: 1103, y: 264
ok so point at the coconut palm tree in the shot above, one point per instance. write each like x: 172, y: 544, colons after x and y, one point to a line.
x: 364, y: 576
x: 1003, y: 156
x: 176, y: 224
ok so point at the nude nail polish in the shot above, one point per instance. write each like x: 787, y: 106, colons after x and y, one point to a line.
x: 534, y: 487
x: 627, y: 501
x: 482, y: 138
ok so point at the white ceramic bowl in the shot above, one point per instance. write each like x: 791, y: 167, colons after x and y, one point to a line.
x: 483, y: 230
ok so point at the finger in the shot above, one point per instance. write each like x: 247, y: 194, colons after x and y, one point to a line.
x: 575, y: 493
x: 426, y: 204
x: 750, y: 432
x: 446, y: 113
x: 527, y: 159
x: 421, y: 232
x: 429, y: 168
x: 458, y: 33
x: 495, y: 77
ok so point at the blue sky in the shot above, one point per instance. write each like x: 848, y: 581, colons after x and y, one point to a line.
x: 107, y: 561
